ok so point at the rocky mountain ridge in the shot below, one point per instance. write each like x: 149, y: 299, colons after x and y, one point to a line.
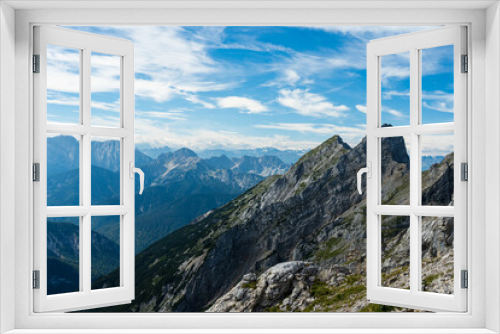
x: 311, y: 216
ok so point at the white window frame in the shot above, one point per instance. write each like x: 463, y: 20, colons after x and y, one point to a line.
x: 483, y: 50
x: 86, y: 43
x: 414, y: 43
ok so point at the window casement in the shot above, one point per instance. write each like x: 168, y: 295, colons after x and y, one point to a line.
x: 480, y: 101
x: 412, y: 209
x: 84, y: 208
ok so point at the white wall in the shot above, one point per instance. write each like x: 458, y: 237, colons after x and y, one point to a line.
x: 492, y: 166
x: 7, y: 162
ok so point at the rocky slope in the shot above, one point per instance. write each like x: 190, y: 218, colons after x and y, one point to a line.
x: 293, y: 242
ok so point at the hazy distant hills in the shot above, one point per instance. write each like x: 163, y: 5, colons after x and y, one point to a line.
x: 179, y: 184
x: 63, y: 154
x: 287, y: 156
x: 63, y: 253
x: 428, y: 161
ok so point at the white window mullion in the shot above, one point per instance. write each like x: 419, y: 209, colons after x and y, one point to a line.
x: 86, y: 162
x: 373, y: 250
x: 127, y: 235
x: 414, y: 170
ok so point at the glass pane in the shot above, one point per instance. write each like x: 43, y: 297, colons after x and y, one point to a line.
x: 63, y: 170
x: 63, y: 85
x: 395, y: 89
x: 63, y: 255
x: 437, y: 169
x: 437, y: 255
x: 437, y: 84
x: 105, y: 250
x: 395, y: 168
x: 395, y: 252
x: 105, y: 170
x: 105, y: 90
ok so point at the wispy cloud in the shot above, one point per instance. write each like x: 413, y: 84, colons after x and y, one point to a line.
x: 197, y: 100
x: 309, y: 104
x: 68, y: 100
x: 361, y: 108
x: 160, y: 115
x: 439, y: 101
x: 244, y: 104
x: 389, y: 95
x: 176, y: 63
x: 439, y: 144
x: 351, y: 134
x: 438, y: 95
x: 162, y: 133
x: 366, y: 33
x: 394, y: 112
x: 439, y: 106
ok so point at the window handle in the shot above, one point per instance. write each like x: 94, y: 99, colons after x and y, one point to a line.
x: 139, y: 171
x: 368, y: 171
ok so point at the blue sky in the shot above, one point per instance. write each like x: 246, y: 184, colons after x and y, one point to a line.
x: 250, y: 87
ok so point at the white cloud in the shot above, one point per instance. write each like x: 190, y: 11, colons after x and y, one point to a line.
x: 438, y: 95
x: 68, y: 100
x: 439, y: 106
x: 309, y: 104
x: 394, y: 72
x: 243, y: 103
x: 388, y: 95
x: 394, y: 112
x: 361, y: 108
x: 158, y: 133
x: 439, y: 101
x: 352, y: 135
x: 372, y: 32
x: 196, y: 100
x: 291, y: 77
x: 63, y: 71
x: 174, y: 65
x: 109, y: 106
x: 438, y: 144
x: 161, y: 115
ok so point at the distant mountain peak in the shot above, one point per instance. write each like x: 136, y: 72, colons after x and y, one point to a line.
x: 179, y: 155
x: 335, y: 146
x: 185, y: 152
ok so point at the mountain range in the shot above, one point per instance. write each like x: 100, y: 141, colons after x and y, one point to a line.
x: 287, y: 156
x: 297, y: 242
x: 179, y: 185
x: 63, y: 253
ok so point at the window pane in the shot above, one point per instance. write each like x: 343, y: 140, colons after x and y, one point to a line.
x: 395, y: 169
x: 395, y: 89
x: 437, y: 84
x: 63, y: 85
x: 395, y: 252
x: 105, y: 83
x: 63, y: 255
x: 105, y: 250
x: 105, y: 171
x: 63, y: 170
x: 437, y: 254
x: 437, y: 169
